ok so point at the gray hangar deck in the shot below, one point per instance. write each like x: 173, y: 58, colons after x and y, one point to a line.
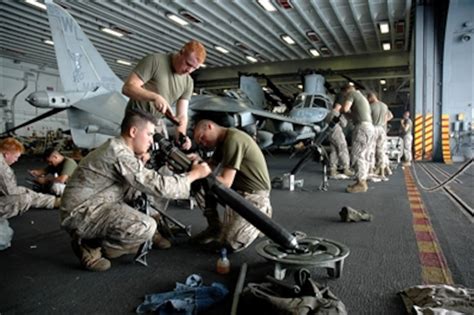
x: 416, y: 237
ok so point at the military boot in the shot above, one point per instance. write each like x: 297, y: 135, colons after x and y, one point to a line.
x: 349, y: 214
x: 348, y: 172
x: 57, y: 202
x: 332, y: 172
x: 360, y: 186
x: 213, y: 230
x: 380, y: 171
x: 111, y: 252
x: 90, y: 258
x: 160, y: 242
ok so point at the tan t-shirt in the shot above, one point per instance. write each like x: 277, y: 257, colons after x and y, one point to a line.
x: 157, y: 73
x: 240, y: 152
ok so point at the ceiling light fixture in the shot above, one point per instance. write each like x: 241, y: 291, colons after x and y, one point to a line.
x: 251, y: 59
x: 111, y: 31
x: 312, y: 36
x: 300, y: 86
x: 384, y: 27
x: 267, y: 5
x: 37, y: 4
x: 176, y: 19
x: 285, y: 4
x: 287, y: 39
x: 399, y: 44
x: 386, y: 46
x: 48, y: 41
x: 222, y: 50
x: 324, y: 51
x: 123, y: 62
x: 188, y: 16
x: 383, y: 82
x: 314, y: 52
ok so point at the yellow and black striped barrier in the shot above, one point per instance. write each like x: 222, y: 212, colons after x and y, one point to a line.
x: 445, y: 139
x: 418, y: 137
x: 428, y: 137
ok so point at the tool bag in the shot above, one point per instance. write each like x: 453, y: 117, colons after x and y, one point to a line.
x: 304, y: 296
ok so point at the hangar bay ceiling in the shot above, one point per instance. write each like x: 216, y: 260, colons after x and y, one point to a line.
x: 368, y: 40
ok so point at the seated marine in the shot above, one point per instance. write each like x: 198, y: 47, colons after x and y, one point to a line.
x: 53, y: 178
x: 16, y: 200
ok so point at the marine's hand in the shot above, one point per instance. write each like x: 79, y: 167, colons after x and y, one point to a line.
x: 194, y: 157
x: 41, y: 180
x: 161, y: 104
x: 199, y: 170
x: 34, y: 173
x: 145, y: 157
x: 186, y: 145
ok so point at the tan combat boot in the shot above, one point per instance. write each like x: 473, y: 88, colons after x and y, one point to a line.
x: 90, y: 258
x: 160, y: 242
x: 213, y: 230
x: 360, y: 186
x: 332, y: 172
x: 348, y: 172
x: 57, y: 202
x: 111, y: 252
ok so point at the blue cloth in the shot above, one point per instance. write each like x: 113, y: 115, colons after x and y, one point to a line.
x: 186, y: 299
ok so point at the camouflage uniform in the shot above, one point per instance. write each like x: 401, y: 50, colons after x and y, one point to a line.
x: 16, y: 200
x: 238, y: 232
x: 407, y: 140
x: 94, y: 204
x: 361, y: 135
x: 379, y: 111
x: 361, y: 139
x: 241, y: 152
x: 338, y: 146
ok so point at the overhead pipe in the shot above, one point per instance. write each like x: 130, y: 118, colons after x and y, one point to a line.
x: 25, y: 85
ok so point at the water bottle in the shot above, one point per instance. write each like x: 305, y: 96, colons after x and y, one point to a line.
x: 223, y: 263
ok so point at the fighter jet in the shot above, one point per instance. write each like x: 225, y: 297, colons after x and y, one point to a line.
x: 95, y: 105
x: 244, y: 108
x: 92, y: 98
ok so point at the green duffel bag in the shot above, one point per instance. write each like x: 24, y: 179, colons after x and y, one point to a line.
x: 303, y: 297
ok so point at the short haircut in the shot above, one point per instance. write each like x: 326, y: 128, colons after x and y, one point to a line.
x: 136, y: 118
x: 11, y: 145
x: 201, y: 124
x: 48, y: 152
x: 348, y: 87
x: 195, y: 47
x: 372, y: 94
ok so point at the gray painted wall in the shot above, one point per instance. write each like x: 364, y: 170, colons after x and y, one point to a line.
x: 458, y: 76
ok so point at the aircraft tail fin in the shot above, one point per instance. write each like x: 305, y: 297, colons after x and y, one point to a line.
x: 80, y: 65
x: 252, y: 89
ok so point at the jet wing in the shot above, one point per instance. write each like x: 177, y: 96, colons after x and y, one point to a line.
x: 109, y: 106
x: 219, y: 104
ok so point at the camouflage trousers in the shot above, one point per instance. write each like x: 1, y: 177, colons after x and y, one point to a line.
x: 339, y: 154
x: 361, y: 140
x: 407, y: 144
x: 377, y: 148
x: 238, y: 232
x: 25, y: 199
x: 115, y: 224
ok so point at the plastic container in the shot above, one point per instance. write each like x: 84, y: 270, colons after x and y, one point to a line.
x: 223, y: 263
